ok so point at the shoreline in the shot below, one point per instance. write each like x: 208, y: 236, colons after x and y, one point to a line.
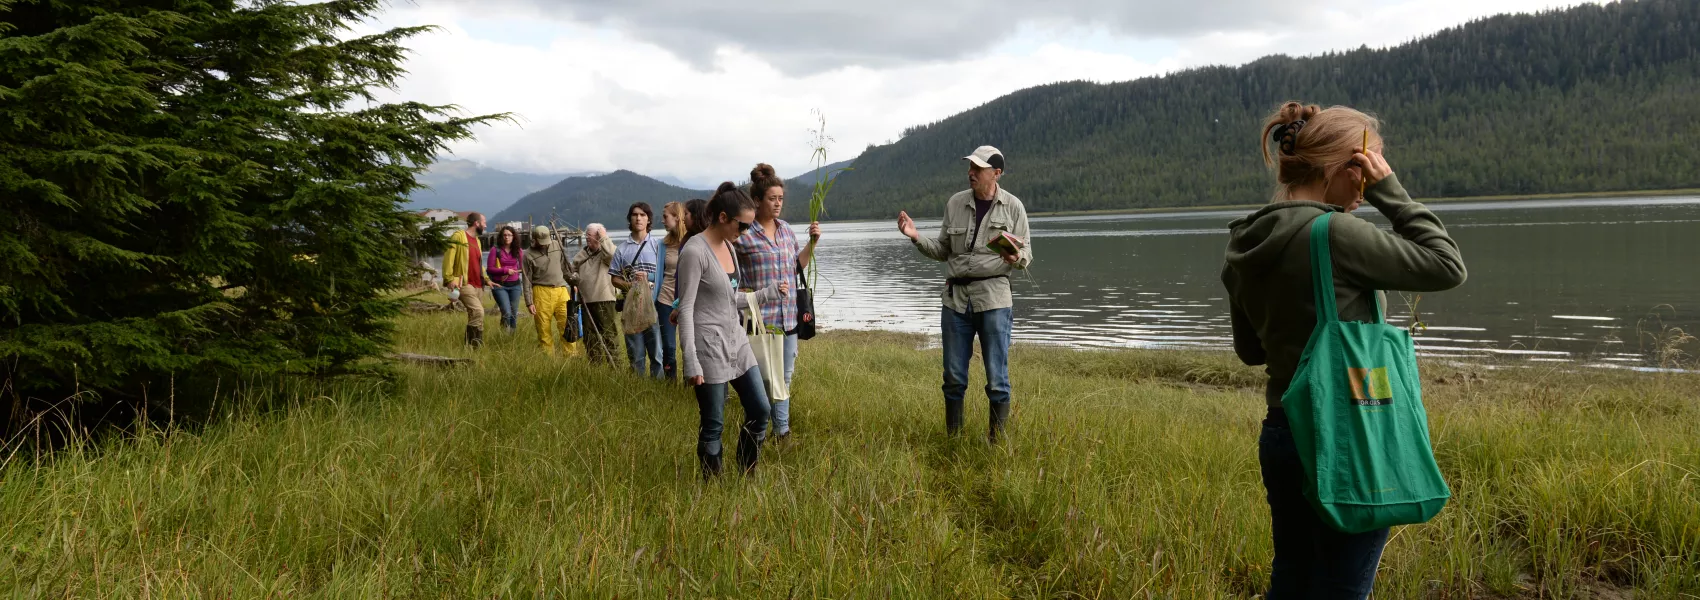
x: 1245, y: 207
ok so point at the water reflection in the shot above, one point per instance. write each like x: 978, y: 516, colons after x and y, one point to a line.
x: 1573, y: 280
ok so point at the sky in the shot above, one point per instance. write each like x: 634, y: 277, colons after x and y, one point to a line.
x: 702, y: 91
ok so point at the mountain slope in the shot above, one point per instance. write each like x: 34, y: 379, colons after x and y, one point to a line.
x: 798, y: 189
x: 1587, y: 99
x: 579, y: 201
x: 464, y: 185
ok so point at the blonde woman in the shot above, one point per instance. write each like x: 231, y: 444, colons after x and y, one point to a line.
x: 1325, y: 161
x: 673, y: 218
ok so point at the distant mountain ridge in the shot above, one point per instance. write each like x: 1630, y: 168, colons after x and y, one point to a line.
x: 464, y: 185
x: 1587, y: 99
x: 579, y: 201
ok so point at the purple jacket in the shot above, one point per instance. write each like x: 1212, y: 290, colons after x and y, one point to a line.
x: 499, y: 263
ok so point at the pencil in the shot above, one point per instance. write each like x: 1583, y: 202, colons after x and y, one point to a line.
x: 1364, y: 177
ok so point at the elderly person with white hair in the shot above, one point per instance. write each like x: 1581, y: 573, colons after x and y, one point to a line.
x: 596, y: 293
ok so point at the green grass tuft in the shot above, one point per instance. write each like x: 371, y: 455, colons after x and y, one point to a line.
x: 1127, y: 474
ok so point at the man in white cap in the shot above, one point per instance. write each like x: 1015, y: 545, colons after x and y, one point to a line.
x: 545, y: 272
x: 983, y: 238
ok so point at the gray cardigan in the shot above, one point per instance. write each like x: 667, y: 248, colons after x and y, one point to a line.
x: 711, y: 338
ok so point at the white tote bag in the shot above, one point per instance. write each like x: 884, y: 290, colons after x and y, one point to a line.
x: 769, y: 348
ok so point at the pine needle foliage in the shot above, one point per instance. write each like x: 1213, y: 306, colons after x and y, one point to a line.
x: 198, y: 188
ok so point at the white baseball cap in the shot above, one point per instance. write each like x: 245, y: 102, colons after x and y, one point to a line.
x: 986, y: 157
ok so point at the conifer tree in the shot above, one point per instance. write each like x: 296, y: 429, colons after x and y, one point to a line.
x: 197, y: 188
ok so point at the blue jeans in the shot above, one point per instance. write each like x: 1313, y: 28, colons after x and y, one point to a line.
x: 669, y: 341
x: 508, y: 298
x: 958, y: 335
x: 782, y: 408
x: 644, y: 347
x: 1312, y: 560
x: 711, y: 401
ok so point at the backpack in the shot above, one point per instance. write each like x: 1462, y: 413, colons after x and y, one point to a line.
x: 1356, y: 411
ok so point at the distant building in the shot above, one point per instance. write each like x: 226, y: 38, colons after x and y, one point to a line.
x: 438, y: 215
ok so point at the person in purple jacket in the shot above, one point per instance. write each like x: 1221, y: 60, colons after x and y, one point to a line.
x: 502, y: 271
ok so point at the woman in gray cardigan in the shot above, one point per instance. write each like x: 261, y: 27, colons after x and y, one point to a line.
x: 713, y: 343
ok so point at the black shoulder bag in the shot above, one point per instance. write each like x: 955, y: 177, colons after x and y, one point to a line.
x: 805, y: 306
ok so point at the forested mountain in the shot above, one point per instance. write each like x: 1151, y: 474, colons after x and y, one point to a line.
x: 1593, y: 98
x: 600, y: 198
x: 806, y: 180
x: 466, y: 185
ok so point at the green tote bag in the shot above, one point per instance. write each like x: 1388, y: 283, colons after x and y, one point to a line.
x: 1356, y: 411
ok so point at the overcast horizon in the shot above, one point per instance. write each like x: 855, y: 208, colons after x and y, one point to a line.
x: 703, y: 93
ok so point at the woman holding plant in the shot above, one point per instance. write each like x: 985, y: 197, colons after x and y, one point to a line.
x: 770, y: 255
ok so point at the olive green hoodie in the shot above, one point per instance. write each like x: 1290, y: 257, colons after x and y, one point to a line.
x: 1267, y: 272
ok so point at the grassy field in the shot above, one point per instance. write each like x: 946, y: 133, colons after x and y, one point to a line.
x: 1126, y: 475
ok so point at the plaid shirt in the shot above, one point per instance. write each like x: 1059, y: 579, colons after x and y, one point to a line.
x: 767, y: 260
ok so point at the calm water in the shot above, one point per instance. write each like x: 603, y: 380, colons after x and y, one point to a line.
x: 1582, y: 281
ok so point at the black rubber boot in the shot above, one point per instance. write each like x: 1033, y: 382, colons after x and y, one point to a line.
x: 953, y: 416
x: 474, y: 336
x: 710, y: 465
x: 998, y: 416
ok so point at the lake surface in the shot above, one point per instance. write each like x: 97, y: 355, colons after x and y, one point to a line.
x: 1581, y: 281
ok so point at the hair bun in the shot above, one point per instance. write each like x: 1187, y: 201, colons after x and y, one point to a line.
x: 762, y: 171
x: 725, y: 186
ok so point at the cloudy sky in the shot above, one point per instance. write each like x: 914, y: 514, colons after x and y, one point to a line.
x: 703, y: 90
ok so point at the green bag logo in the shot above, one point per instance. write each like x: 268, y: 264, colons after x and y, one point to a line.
x: 1370, y: 387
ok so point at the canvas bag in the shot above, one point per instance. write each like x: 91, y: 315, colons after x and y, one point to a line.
x: 638, y: 313
x: 769, y: 348
x: 1356, y: 411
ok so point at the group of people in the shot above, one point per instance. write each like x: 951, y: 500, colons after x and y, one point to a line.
x: 732, y: 252
x: 653, y: 295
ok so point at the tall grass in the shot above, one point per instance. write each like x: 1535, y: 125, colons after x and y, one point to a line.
x: 1126, y: 474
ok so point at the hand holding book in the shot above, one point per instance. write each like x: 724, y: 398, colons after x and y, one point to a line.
x: 1008, y: 245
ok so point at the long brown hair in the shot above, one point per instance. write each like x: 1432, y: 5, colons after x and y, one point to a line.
x: 697, y: 208
x: 512, y: 247
x: 676, y: 233
x: 1313, y: 143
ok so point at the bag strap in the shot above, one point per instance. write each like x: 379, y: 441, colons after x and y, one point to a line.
x: 802, y: 275
x: 1322, y: 275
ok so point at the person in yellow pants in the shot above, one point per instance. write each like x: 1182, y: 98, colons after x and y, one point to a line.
x: 546, y: 293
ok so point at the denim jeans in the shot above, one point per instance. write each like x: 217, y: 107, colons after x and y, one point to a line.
x: 669, y: 341
x: 1312, y: 560
x: 782, y: 408
x: 509, y: 298
x: 959, y: 330
x: 711, y: 401
x: 644, y: 349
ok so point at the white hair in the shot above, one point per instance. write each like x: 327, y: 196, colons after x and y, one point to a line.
x: 595, y: 227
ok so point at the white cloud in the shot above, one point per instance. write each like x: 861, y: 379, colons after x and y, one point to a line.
x: 602, y: 96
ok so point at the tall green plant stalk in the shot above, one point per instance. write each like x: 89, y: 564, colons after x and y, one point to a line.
x: 824, y: 180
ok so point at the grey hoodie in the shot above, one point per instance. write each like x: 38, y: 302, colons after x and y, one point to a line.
x: 1267, y: 272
